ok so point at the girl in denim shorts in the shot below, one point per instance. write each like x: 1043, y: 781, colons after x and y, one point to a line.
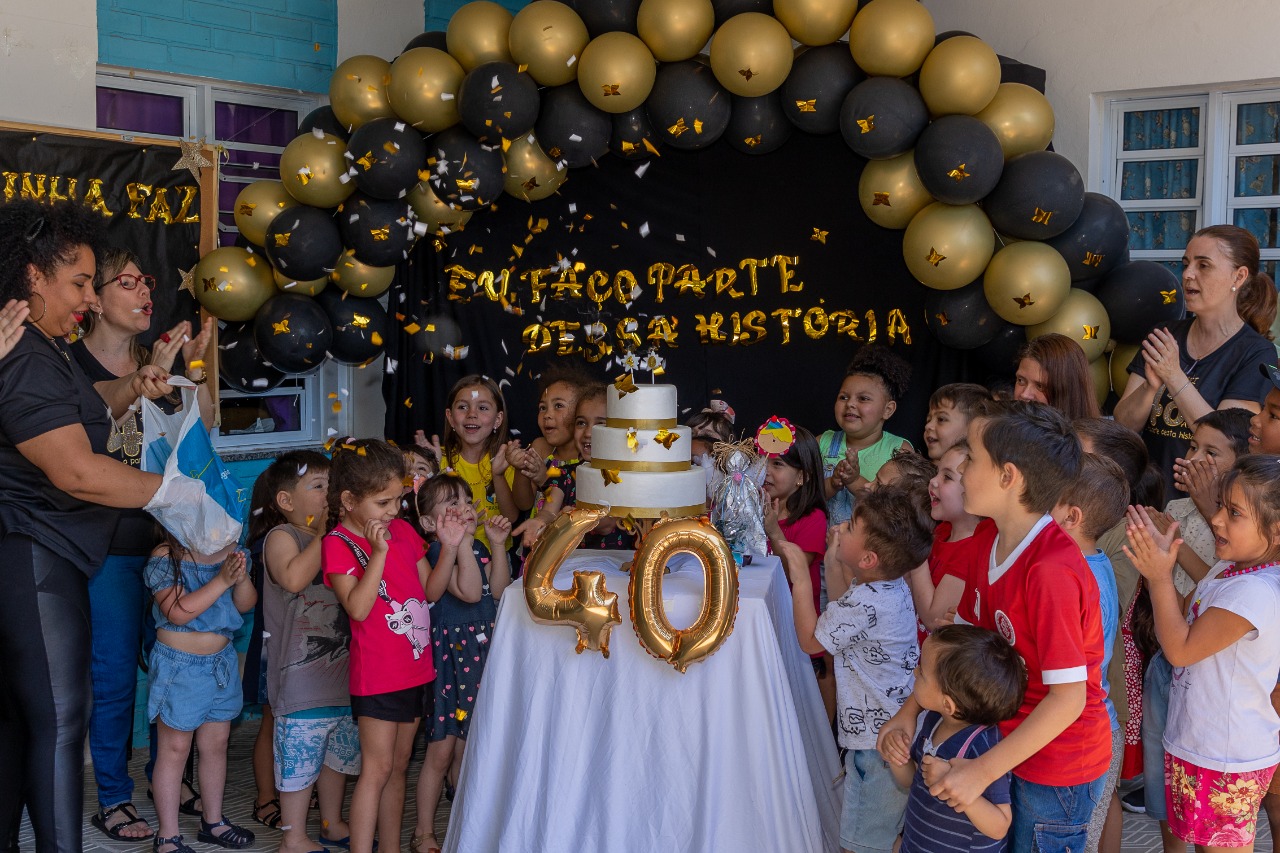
x: 195, y: 681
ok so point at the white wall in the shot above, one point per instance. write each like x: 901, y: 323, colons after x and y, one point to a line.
x: 48, y: 56
x: 1089, y: 47
x: 379, y: 29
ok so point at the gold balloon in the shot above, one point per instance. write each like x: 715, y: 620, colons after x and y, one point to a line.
x: 714, y: 624
x: 1026, y: 283
x: 1120, y: 358
x: 354, y: 276
x: 1101, y: 372
x: 815, y: 22
x: 588, y: 606
x: 232, y: 283
x: 424, y: 88
x: 960, y: 76
x: 313, y: 168
x: 1082, y: 318
x: 616, y: 72
x: 531, y: 174
x: 891, y: 38
x: 478, y: 33
x: 304, y: 288
x: 675, y: 29
x: 439, y: 217
x: 258, y: 204
x: 547, y: 37
x: 751, y: 54
x: 947, y: 246
x: 1021, y: 118
x: 358, y: 91
x: 890, y: 191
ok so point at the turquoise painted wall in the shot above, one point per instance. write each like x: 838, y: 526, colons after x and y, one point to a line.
x: 288, y: 43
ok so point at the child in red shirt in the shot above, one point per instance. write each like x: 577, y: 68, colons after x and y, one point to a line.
x: 377, y: 567
x: 1039, y: 594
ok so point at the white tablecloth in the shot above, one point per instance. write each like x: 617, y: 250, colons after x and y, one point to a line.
x: 573, y: 752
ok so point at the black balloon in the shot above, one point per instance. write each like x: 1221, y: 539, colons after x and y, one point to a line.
x: 688, y: 106
x: 631, y: 130
x: 1039, y: 196
x: 293, y: 333
x: 959, y: 159
x: 240, y: 362
x: 962, y: 318
x: 386, y: 155
x: 467, y: 174
x: 815, y: 90
x: 303, y: 242
x: 606, y: 16
x: 758, y: 125
x: 1097, y: 242
x: 998, y: 354
x: 726, y: 9
x: 497, y: 101
x: 1139, y: 296
x: 380, y: 233
x: 360, y: 326
x: 570, y: 129
x: 431, y: 38
x: 324, y: 119
x: 882, y: 117
x: 438, y: 331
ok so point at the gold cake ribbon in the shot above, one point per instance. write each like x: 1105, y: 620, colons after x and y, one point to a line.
x: 635, y: 465
x: 647, y: 511
x: 640, y: 423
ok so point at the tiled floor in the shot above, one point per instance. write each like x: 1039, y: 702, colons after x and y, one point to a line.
x: 1140, y: 834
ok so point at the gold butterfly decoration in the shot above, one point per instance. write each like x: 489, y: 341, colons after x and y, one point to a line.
x: 360, y: 321
x: 880, y: 198
x: 1090, y: 333
x: 959, y: 173
x: 1169, y: 297
x: 283, y: 239
x: 666, y: 438
x: 625, y: 384
x: 1092, y: 260
x: 1041, y: 217
x: 753, y: 141
x: 819, y: 236
x: 868, y: 124
x: 678, y: 128
x: 935, y: 257
x: 1024, y: 301
x: 633, y: 440
x: 611, y: 89
x: 942, y: 318
x: 281, y: 328
x: 610, y: 476
x: 809, y: 106
x: 246, y: 208
x: 747, y: 73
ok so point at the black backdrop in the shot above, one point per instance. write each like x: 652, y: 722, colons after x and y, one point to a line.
x: 710, y: 209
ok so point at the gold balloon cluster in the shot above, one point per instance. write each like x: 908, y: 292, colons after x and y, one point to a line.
x: 751, y: 54
x: 531, y: 174
x: 358, y: 91
x: 423, y: 88
x: 616, y: 72
x: 947, y: 246
x: 891, y: 38
x: 232, y: 283
x: 257, y: 205
x: 815, y: 22
x: 547, y: 37
x: 479, y: 32
x: 313, y: 168
x: 675, y: 29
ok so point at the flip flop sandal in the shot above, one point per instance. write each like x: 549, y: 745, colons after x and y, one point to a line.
x: 187, y: 806
x: 179, y: 846
x: 344, y: 843
x: 116, y: 831
x: 235, y: 837
x: 271, y: 818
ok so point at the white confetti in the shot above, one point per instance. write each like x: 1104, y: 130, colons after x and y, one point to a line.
x: 573, y: 208
x: 641, y: 169
x: 644, y: 229
x: 446, y: 96
x: 569, y: 62
x: 680, y: 238
x: 317, y: 133
x: 399, y: 129
x: 392, y: 364
x: 711, y: 251
x: 260, y: 383
x: 573, y: 137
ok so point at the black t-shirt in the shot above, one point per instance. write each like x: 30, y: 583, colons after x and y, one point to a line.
x: 135, y: 534
x: 42, y: 389
x: 1228, y: 373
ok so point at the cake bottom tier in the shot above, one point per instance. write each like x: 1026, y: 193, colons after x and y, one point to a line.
x: 643, y: 494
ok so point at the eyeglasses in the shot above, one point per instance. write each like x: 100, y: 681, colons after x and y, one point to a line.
x: 131, y: 282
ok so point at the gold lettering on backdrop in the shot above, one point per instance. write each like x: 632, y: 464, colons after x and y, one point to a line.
x: 725, y: 278
x: 490, y: 284
x: 897, y: 324
x: 871, y: 327
x: 662, y: 330
x: 661, y: 275
x: 689, y: 280
x: 10, y: 186
x: 624, y: 284
x: 184, y: 215
x: 785, y: 315
x: 563, y: 331
x: 598, y: 288
x: 55, y: 194
x: 534, y: 277
x: 567, y: 284
x: 536, y: 338
x: 751, y: 265
x: 626, y: 333
x: 785, y: 273
x: 138, y: 195
x: 94, y: 201
x: 709, y: 329
x: 160, y: 207
x: 33, y: 191
x: 815, y: 322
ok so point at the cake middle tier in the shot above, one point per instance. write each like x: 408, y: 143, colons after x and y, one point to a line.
x: 611, y: 449
x: 641, y: 494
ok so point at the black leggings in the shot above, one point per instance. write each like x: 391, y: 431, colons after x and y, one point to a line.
x: 45, y: 692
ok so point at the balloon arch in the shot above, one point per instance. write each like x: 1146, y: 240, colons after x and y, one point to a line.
x: 999, y: 227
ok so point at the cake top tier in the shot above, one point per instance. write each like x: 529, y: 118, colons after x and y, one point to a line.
x: 648, y: 406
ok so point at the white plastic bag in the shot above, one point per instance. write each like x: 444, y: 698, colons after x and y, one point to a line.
x: 199, y: 502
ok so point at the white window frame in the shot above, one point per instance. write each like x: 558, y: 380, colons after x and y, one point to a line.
x: 318, y: 419
x: 1215, y: 203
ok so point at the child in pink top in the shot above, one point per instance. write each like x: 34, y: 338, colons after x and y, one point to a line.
x: 377, y: 567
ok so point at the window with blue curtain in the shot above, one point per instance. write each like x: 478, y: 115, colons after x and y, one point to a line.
x: 1161, y: 178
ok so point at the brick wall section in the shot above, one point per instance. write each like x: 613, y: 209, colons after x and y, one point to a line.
x: 438, y: 12
x: 292, y: 44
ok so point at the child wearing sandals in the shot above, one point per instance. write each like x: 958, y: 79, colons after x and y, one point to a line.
x: 195, y: 683
x: 316, y: 745
x: 461, y: 628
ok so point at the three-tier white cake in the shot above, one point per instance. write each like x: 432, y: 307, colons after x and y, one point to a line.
x: 640, y: 458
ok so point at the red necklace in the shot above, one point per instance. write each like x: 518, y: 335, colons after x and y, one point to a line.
x: 1233, y: 571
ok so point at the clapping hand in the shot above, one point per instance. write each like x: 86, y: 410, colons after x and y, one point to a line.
x: 1152, y: 552
x: 420, y: 439
x: 450, y: 528
x: 847, y: 470
x: 1199, y: 477
x: 1161, y: 361
x: 11, y: 318
x: 497, y: 528
x: 233, y: 568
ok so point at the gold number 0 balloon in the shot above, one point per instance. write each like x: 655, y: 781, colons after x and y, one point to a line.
x: 681, y: 648
x: 588, y: 606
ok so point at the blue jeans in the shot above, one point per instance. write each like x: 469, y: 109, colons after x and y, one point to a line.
x: 1049, y: 819
x: 117, y: 599
x: 1155, y: 716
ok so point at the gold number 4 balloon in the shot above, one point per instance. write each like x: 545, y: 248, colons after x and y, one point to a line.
x: 593, y: 610
x: 588, y: 606
x: 714, y: 624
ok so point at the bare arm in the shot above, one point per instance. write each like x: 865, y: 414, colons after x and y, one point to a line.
x: 181, y: 606
x: 1134, y: 406
x: 147, y: 381
x: 357, y: 596
x: 990, y: 819
x: 67, y: 459
x: 806, y: 618
x: 292, y: 569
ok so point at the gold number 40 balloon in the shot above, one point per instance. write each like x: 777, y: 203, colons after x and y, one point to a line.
x: 714, y: 624
x: 588, y: 606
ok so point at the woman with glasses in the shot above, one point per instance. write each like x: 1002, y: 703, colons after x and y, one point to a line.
x: 111, y: 355
x: 58, y: 487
